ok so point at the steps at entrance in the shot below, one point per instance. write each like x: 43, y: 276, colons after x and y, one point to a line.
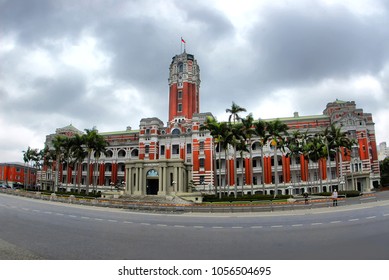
x: 156, y: 199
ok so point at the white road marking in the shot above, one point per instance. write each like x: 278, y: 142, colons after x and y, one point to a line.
x: 48, y: 212
x: 371, y: 217
x: 72, y: 216
x: 161, y: 225
x: 316, y: 224
x: 98, y: 219
x: 353, y: 220
x: 335, y: 222
x: 236, y: 227
x: 277, y: 226
x: 217, y: 227
x: 112, y: 221
x: 256, y: 227
x: 86, y: 218
x: 198, y: 226
x: 127, y: 222
x: 179, y: 226
x: 59, y: 214
x: 145, y: 224
x: 387, y: 214
x: 297, y: 225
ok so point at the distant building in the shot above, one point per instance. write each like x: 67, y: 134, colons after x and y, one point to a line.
x: 18, y: 175
x: 383, y: 151
x: 178, y: 157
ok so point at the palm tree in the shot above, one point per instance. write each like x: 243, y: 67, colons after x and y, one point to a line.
x: 59, y: 147
x: 316, y: 151
x: 276, y: 130
x: 336, y: 141
x: 216, y: 130
x: 78, y: 155
x: 294, y: 145
x: 48, y: 157
x: 241, y: 147
x: 234, y: 112
x: 29, y: 156
x: 93, y: 143
x: 235, y: 139
x: 260, y: 133
x: 248, y: 131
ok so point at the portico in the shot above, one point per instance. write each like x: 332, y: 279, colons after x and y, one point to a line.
x: 159, y: 177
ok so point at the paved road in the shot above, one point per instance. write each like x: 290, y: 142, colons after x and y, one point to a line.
x: 44, y: 230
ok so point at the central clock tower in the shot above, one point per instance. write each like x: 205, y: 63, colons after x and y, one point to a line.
x: 184, y: 85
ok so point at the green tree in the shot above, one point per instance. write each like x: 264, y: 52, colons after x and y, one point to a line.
x: 94, y: 143
x: 248, y: 131
x: 78, y: 155
x: 29, y: 156
x: 260, y: 133
x: 384, y: 169
x: 276, y: 132
x: 59, y: 151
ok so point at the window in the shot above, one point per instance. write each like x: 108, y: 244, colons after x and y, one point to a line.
x: 147, y: 149
x: 202, y: 162
x: 176, y: 149
x: 189, y: 148
x: 162, y: 150
x: 179, y: 95
x: 202, y: 146
x: 179, y: 108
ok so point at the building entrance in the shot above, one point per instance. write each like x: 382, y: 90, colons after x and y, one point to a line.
x: 152, y: 182
x: 152, y: 187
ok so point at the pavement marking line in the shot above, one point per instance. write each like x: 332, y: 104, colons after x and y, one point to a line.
x: 145, y: 224
x: 48, y: 212
x: 217, y: 227
x: 161, y: 225
x: 236, y: 227
x: 59, y: 214
x: 277, y: 226
x: 86, y: 218
x: 387, y: 214
x: 316, y: 224
x: 72, y: 216
x: 371, y: 217
x: 335, y: 222
x: 353, y: 220
x: 98, y: 219
x: 297, y: 225
x: 37, y: 211
x: 256, y: 227
x: 25, y: 209
x: 198, y: 226
x: 179, y: 226
x: 127, y: 222
x: 112, y: 221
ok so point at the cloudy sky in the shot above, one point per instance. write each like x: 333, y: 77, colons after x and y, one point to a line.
x: 105, y: 63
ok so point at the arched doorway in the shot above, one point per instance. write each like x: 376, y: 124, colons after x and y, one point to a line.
x: 152, y: 182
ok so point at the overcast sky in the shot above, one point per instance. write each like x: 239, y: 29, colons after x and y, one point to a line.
x: 105, y: 63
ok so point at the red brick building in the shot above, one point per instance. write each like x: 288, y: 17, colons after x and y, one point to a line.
x: 17, y: 175
x: 176, y: 158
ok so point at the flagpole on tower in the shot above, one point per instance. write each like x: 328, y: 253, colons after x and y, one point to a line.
x: 183, y: 42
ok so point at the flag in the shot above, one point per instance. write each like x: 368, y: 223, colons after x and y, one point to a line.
x: 182, y: 40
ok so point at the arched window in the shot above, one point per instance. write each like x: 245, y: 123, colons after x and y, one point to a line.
x: 122, y: 153
x: 176, y: 131
x: 180, y: 67
x: 134, y: 153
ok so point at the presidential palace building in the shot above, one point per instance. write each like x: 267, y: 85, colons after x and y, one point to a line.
x: 176, y: 158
